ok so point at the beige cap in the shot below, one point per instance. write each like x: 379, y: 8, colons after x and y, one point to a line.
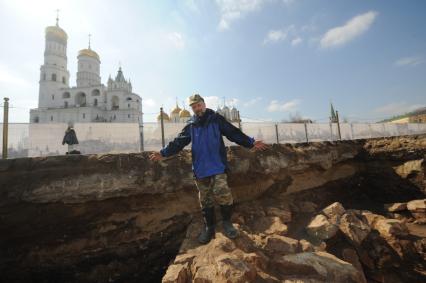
x: 194, y: 99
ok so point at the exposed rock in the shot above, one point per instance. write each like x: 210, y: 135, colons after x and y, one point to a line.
x: 320, y: 266
x: 417, y: 205
x: 417, y: 208
x: 350, y: 255
x: 355, y: 227
x: 391, y: 227
x: 395, y: 207
x: 322, y: 247
x: 177, y: 273
x: 281, y: 245
x: 409, y: 167
x: 270, y: 225
x: 334, y: 211
x: 123, y: 218
x: 321, y: 228
x: 372, y: 218
x: 232, y: 269
x: 205, y: 274
x: 306, y: 246
x: 284, y: 215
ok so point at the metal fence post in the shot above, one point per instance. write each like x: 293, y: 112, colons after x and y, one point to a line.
x: 306, y: 131
x: 352, y: 131
x: 370, y: 130
x: 276, y: 133
x: 141, y: 136
x: 162, y: 127
x: 5, y: 126
x: 338, y: 125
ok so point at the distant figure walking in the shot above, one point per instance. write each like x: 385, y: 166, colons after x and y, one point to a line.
x: 71, y: 140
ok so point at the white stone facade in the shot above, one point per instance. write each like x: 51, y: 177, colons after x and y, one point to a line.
x: 89, y: 100
x: 231, y: 114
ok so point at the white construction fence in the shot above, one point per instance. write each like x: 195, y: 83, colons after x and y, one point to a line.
x: 29, y: 140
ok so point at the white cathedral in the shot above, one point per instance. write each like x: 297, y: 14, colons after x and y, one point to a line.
x: 90, y: 100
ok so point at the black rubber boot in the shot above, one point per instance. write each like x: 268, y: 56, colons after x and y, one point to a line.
x: 228, y: 228
x: 209, y: 225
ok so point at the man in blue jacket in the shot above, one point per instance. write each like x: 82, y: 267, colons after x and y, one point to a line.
x: 209, y: 162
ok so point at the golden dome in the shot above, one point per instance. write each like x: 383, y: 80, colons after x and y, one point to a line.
x: 165, y: 117
x: 56, y: 32
x: 176, y: 110
x: 88, y: 52
x: 184, y: 113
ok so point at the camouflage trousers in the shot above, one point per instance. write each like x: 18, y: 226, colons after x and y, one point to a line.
x: 214, y: 189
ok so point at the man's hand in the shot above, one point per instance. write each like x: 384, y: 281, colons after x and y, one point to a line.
x: 259, y: 145
x: 156, y: 156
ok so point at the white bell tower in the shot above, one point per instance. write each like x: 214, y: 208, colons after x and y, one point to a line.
x: 53, y: 73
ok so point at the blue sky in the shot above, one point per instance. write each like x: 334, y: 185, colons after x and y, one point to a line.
x: 270, y: 58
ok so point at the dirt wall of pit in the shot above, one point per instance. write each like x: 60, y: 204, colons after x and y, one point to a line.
x: 85, y: 217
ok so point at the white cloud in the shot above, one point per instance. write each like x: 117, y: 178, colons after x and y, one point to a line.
x: 252, y: 101
x: 296, y: 41
x: 192, y: 5
x: 276, y: 106
x: 353, y: 28
x: 277, y: 35
x: 409, y: 61
x: 274, y: 36
x: 232, y: 10
x: 396, y: 108
x: 176, y: 40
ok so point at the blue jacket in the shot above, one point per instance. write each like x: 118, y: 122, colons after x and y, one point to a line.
x: 208, y: 149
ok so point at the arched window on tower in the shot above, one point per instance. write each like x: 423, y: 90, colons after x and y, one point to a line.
x: 63, y: 80
x: 54, y: 77
x: 80, y: 99
x: 95, y: 102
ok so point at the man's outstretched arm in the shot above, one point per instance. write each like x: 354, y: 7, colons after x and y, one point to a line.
x: 176, y: 145
x: 234, y: 134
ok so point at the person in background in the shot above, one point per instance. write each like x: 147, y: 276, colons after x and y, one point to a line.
x: 70, y: 138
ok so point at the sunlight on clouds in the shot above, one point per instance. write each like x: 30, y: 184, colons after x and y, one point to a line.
x: 296, y: 41
x: 409, y: 61
x: 274, y: 36
x: 253, y: 101
x: 276, y: 106
x: 356, y: 26
x: 176, y: 40
x: 232, y: 10
x: 396, y: 108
